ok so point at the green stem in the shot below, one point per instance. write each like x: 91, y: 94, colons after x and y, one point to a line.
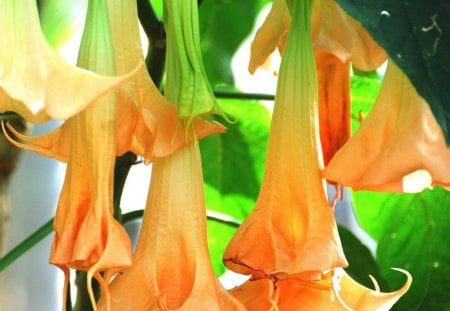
x: 27, y: 244
x: 154, y: 29
x: 247, y: 96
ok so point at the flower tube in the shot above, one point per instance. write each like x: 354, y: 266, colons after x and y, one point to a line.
x: 291, y: 231
x: 171, y: 267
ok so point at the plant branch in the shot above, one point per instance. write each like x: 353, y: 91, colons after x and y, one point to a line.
x: 154, y: 29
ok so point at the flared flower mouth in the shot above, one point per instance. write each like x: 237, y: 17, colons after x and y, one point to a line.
x: 37, y: 83
x: 336, y: 290
x: 399, y: 147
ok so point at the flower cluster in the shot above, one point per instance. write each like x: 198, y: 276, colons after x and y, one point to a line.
x: 289, y: 245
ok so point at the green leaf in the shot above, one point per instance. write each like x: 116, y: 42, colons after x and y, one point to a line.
x: 361, y: 262
x: 412, y: 231
x: 364, y: 91
x: 416, y: 35
x: 223, y: 27
x: 60, y: 19
x: 233, y: 166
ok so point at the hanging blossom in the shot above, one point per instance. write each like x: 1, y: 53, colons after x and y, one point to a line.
x: 297, y: 261
x: 292, y: 221
x: 153, y: 131
x: 399, y: 146
x: 34, y: 81
x: 136, y: 118
x: 86, y: 235
x: 338, y: 40
x: 333, y: 31
x: 171, y: 267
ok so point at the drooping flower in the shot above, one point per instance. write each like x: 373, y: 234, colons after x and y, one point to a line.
x: 86, y: 235
x: 399, y: 146
x: 333, y: 31
x: 34, y: 81
x: 171, y: 267
x: 335, y: 291
x: 291, y: 230
x: 337, y: 40
x: 154, y: 131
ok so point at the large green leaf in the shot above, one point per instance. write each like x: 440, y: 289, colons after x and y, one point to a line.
x: 233, y: 166
x: 416, y: 35
x: 412, y: 231
x: 223, y: 27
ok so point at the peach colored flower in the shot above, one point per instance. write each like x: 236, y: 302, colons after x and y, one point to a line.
x: 153, y: 131
x: 291, y: 230
x: 333, y: 31
x: 171, y: 267
x: 399, y: 146
x: 335, y: 291
x: 34, y: 81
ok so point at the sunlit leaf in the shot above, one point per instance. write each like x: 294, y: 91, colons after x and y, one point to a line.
x: 412, y: 233
x: 364, y: 91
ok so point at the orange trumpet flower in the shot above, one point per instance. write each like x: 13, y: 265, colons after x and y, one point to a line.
x: 170, y: 232
x: 138, y: 117
x: 291, y: 230
x: 335, y: 291
x: 171, y: 267
x: 399, y: 146
x: 333, y: 31
x: 34, y: 81
x: 153, y: 130
x: 86, y: 235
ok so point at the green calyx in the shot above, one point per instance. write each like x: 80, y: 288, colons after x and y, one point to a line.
x: 186, y: 82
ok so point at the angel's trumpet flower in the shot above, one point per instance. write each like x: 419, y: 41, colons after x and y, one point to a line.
x: 86, y: 235
x: 153, y: 131
x: 291, y: 230
x: 174, y: 225
x: 34, y: 81
x: 333, y: 31
x: 399, y: 146
x: 171, y: 267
